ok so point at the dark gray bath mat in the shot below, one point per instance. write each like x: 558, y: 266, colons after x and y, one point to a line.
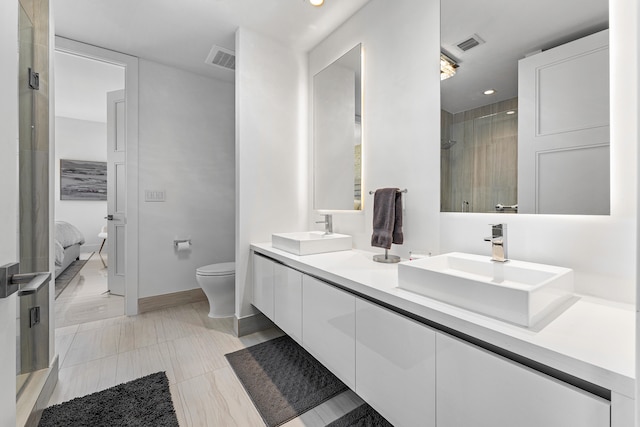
x: 282, y: 379
x: 63, y: 280
x: 363, y: 416
x: 145, y: 402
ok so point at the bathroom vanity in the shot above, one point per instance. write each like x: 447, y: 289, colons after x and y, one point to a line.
x: 419, y: 361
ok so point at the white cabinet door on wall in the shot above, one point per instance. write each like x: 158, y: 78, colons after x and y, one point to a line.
x: 288, y: 301
x: 395, y: 365
x: 328, y: 327
x: 478, y: 388
x: 263, y: 276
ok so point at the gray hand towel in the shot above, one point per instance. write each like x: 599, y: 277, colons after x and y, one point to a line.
x: 387, y: 218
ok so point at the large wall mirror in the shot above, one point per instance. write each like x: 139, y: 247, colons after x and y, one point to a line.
x: 337, y: 134
x: 525, y: 107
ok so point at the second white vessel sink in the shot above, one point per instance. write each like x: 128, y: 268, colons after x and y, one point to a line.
x: 515, y: 291
x: 311, y: 242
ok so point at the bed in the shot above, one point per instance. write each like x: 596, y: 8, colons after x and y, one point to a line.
x: 67, y: 245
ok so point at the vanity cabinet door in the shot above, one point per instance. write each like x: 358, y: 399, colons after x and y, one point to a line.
x: 263, y: 275
x: 328, y: 327
x: 395, y: 365
x: 478, y: 388
x: 288, y: 301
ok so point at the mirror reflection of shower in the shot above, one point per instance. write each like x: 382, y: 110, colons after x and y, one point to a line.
x: 446, y: 144
x: 479, y: 158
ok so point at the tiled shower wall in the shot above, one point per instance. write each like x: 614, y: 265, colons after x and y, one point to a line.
x: 481, y: 166
x: 34, y: 148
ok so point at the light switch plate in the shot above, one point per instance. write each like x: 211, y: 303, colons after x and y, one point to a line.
x: 154, y: 195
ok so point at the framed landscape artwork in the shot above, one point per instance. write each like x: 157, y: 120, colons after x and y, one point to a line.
x: 83, y: 180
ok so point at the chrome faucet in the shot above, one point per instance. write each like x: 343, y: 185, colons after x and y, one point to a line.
x: 498, y: 241
x: 328, y: 223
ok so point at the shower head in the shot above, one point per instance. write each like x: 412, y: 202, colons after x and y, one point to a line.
x: 445, y: 145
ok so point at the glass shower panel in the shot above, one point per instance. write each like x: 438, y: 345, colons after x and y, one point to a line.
x: 26, y: 135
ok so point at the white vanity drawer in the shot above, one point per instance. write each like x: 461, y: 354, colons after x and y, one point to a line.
x: 476, y: 387
x: 288, y: 301
x: 395, y: 365
x: 329, y: 327
x: 263, y: 279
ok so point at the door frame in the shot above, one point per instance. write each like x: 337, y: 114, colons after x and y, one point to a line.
x: 130, y: 65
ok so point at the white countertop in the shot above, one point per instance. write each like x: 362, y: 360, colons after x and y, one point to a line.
x: 592, y: 339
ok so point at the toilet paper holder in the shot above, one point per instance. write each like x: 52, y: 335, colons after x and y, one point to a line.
x: 176, y: 242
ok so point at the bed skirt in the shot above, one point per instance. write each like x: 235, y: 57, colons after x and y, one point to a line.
x: 71, y: 253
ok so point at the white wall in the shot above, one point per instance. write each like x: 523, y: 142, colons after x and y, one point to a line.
x: 80, y: 140
x: 271, y: 148
x: 400, y: 122
x: 186, y: 148
x: 9, y: 197
x: 400, y: 114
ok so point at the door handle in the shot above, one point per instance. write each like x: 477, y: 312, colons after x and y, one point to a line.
x: 109, y: 217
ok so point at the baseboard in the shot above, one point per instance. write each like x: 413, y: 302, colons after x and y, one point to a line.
x: 158, y: 302
x: 35, y: 397
x: 92, y: 248
x: 250, y: 324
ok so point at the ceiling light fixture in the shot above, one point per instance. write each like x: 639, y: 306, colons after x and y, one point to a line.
x: 489, y: 91
x: 447, y: 67
x: 316, y: 2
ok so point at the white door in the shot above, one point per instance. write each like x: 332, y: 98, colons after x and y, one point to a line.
x: 116, y: 191
x: 563, y: 129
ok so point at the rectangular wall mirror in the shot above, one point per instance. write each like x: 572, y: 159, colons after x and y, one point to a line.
x: 525, y: 107
x: 337, y: 134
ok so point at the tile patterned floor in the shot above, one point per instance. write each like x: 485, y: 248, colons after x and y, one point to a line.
x: 86, y: 299
x: 183, y: 341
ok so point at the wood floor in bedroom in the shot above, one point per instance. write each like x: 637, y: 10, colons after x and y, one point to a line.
x: 99, y: 347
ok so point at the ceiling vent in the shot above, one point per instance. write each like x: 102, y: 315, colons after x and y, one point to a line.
x: 221, y: 57
x: 470, y: 42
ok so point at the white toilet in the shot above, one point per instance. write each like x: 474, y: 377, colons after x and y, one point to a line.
x: 218, y: 283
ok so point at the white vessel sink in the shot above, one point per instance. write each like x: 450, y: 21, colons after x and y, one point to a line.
x: 515, y: 291
x: 311, y: 242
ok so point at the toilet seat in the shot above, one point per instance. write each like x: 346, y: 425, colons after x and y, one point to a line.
x: 220, y: 269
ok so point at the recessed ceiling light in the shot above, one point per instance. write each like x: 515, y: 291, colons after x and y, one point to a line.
x: 489, y: 91
x: 316, y: 2
x: 511, y: 112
